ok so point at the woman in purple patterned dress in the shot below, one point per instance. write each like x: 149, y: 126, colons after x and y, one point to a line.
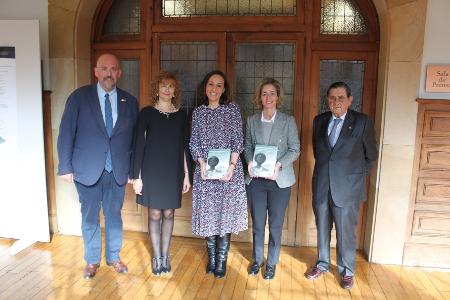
x: 219, y: 207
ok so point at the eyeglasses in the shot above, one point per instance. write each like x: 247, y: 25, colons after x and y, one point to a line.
x: 337, y: 99
x: 106, y: 69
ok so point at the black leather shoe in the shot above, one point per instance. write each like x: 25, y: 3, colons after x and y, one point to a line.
x: 269, y: 272
x: 253, y: 269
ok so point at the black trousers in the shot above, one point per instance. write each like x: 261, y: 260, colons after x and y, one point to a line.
x: 266, y: 198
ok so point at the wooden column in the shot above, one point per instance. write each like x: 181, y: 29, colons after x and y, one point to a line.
x: 49, y: 166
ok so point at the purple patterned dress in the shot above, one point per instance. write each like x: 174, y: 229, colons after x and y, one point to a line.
x: 218, y: 207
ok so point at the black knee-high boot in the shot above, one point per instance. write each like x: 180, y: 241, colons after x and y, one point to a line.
x: 223, y: 245
x: 211, y: 250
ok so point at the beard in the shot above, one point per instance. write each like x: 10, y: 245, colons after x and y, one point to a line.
x: 108, y: 84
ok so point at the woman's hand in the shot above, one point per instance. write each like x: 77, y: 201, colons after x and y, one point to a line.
x: 250, y: 170
x: 137, y: 186
x: 202, y: 168
x: 229, y: 174
x: 276, y: 172
x: 186, y: 183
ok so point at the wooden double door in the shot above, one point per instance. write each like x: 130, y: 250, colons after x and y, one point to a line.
x: 247, y: 58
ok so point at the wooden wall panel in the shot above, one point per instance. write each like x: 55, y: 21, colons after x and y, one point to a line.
x: 433, y: 191
x: 436, y: 123
x: 428, y: 237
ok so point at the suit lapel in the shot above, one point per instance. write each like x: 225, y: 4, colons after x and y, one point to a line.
x: 96, y: 110
x: 324, y: 130
x: 258, y: 130
x: 121, y: 103
x: 346, y: 130
x: 278, y: 125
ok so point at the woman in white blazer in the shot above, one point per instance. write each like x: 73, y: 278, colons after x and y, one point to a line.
x: 270, y: 195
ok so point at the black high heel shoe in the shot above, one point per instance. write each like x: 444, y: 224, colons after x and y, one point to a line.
x: 156, y: 265
x: 165, y: 262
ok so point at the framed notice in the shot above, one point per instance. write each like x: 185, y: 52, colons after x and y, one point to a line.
x: 438, y: 79
x: 8, y: 98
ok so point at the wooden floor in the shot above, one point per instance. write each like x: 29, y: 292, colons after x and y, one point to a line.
x: 54, y: 271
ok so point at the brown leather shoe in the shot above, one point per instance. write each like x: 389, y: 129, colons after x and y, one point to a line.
x: 90, y: 270
x: 119, y: 266
x: 347, y: 282
x: 314, y: 273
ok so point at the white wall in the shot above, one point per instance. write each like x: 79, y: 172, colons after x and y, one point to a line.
x: 23, y: 193
x: 437, y: 42
x: 31, y: 10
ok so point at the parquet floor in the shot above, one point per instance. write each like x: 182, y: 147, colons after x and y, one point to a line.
x: 53, y: 271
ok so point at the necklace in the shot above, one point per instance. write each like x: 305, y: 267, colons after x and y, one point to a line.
x: 166, y: 113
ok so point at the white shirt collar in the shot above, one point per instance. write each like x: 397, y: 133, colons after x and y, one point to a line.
x: 102, y: 92
x: 341, y: 117
x: 272, y: 120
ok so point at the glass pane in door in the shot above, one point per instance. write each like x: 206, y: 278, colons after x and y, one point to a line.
x: 129, y: 81
x: 349, y: 71
x: 255, y: 61
x: 189, y: 61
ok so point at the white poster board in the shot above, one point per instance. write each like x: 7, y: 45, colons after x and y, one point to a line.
x: 23, y: 194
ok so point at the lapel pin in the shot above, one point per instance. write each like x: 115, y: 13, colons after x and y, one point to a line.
x: 349, y: 127
x: 123, y: 100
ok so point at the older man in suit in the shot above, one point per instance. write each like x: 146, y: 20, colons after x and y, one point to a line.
x: 344, y: 148
x: 94, y: 147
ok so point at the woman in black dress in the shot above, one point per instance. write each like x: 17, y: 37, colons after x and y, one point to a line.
x: 160, y: 164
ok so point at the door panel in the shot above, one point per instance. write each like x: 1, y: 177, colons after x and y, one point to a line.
x: 190, y: 57
x: 253, y: 57
x: 357, y: 69
x: 132, y: 63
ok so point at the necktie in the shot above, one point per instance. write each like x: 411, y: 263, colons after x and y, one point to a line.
x: 109, y: 128
x: 332, y: 136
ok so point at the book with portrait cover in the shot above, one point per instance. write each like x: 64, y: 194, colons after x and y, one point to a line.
x: 264, y: 160
x: 217, y: 163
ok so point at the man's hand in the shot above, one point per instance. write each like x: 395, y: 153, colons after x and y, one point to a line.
x: 137, y: 186
x: 67, y: 177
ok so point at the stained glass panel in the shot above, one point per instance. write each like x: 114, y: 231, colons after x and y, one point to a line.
x: 341, y: 17
x: 197, y: 8
x: 129, y: 81
x: 350, y: 72
x: 254, y: 61
x: 190, y: 62
x: 124, y: 17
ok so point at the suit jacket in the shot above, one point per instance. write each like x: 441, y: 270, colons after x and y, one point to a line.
x: 343, y: 169
x: 83, y: 142
x: 284, y: 135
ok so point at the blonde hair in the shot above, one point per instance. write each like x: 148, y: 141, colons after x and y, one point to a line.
x: 258, y: 91
x: 165, y: 76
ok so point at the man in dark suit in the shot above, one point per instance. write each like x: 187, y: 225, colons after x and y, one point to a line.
x: 344, y: 148
x: 94, y: 146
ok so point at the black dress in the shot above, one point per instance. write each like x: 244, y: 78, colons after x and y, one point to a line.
x: 160, y: 143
